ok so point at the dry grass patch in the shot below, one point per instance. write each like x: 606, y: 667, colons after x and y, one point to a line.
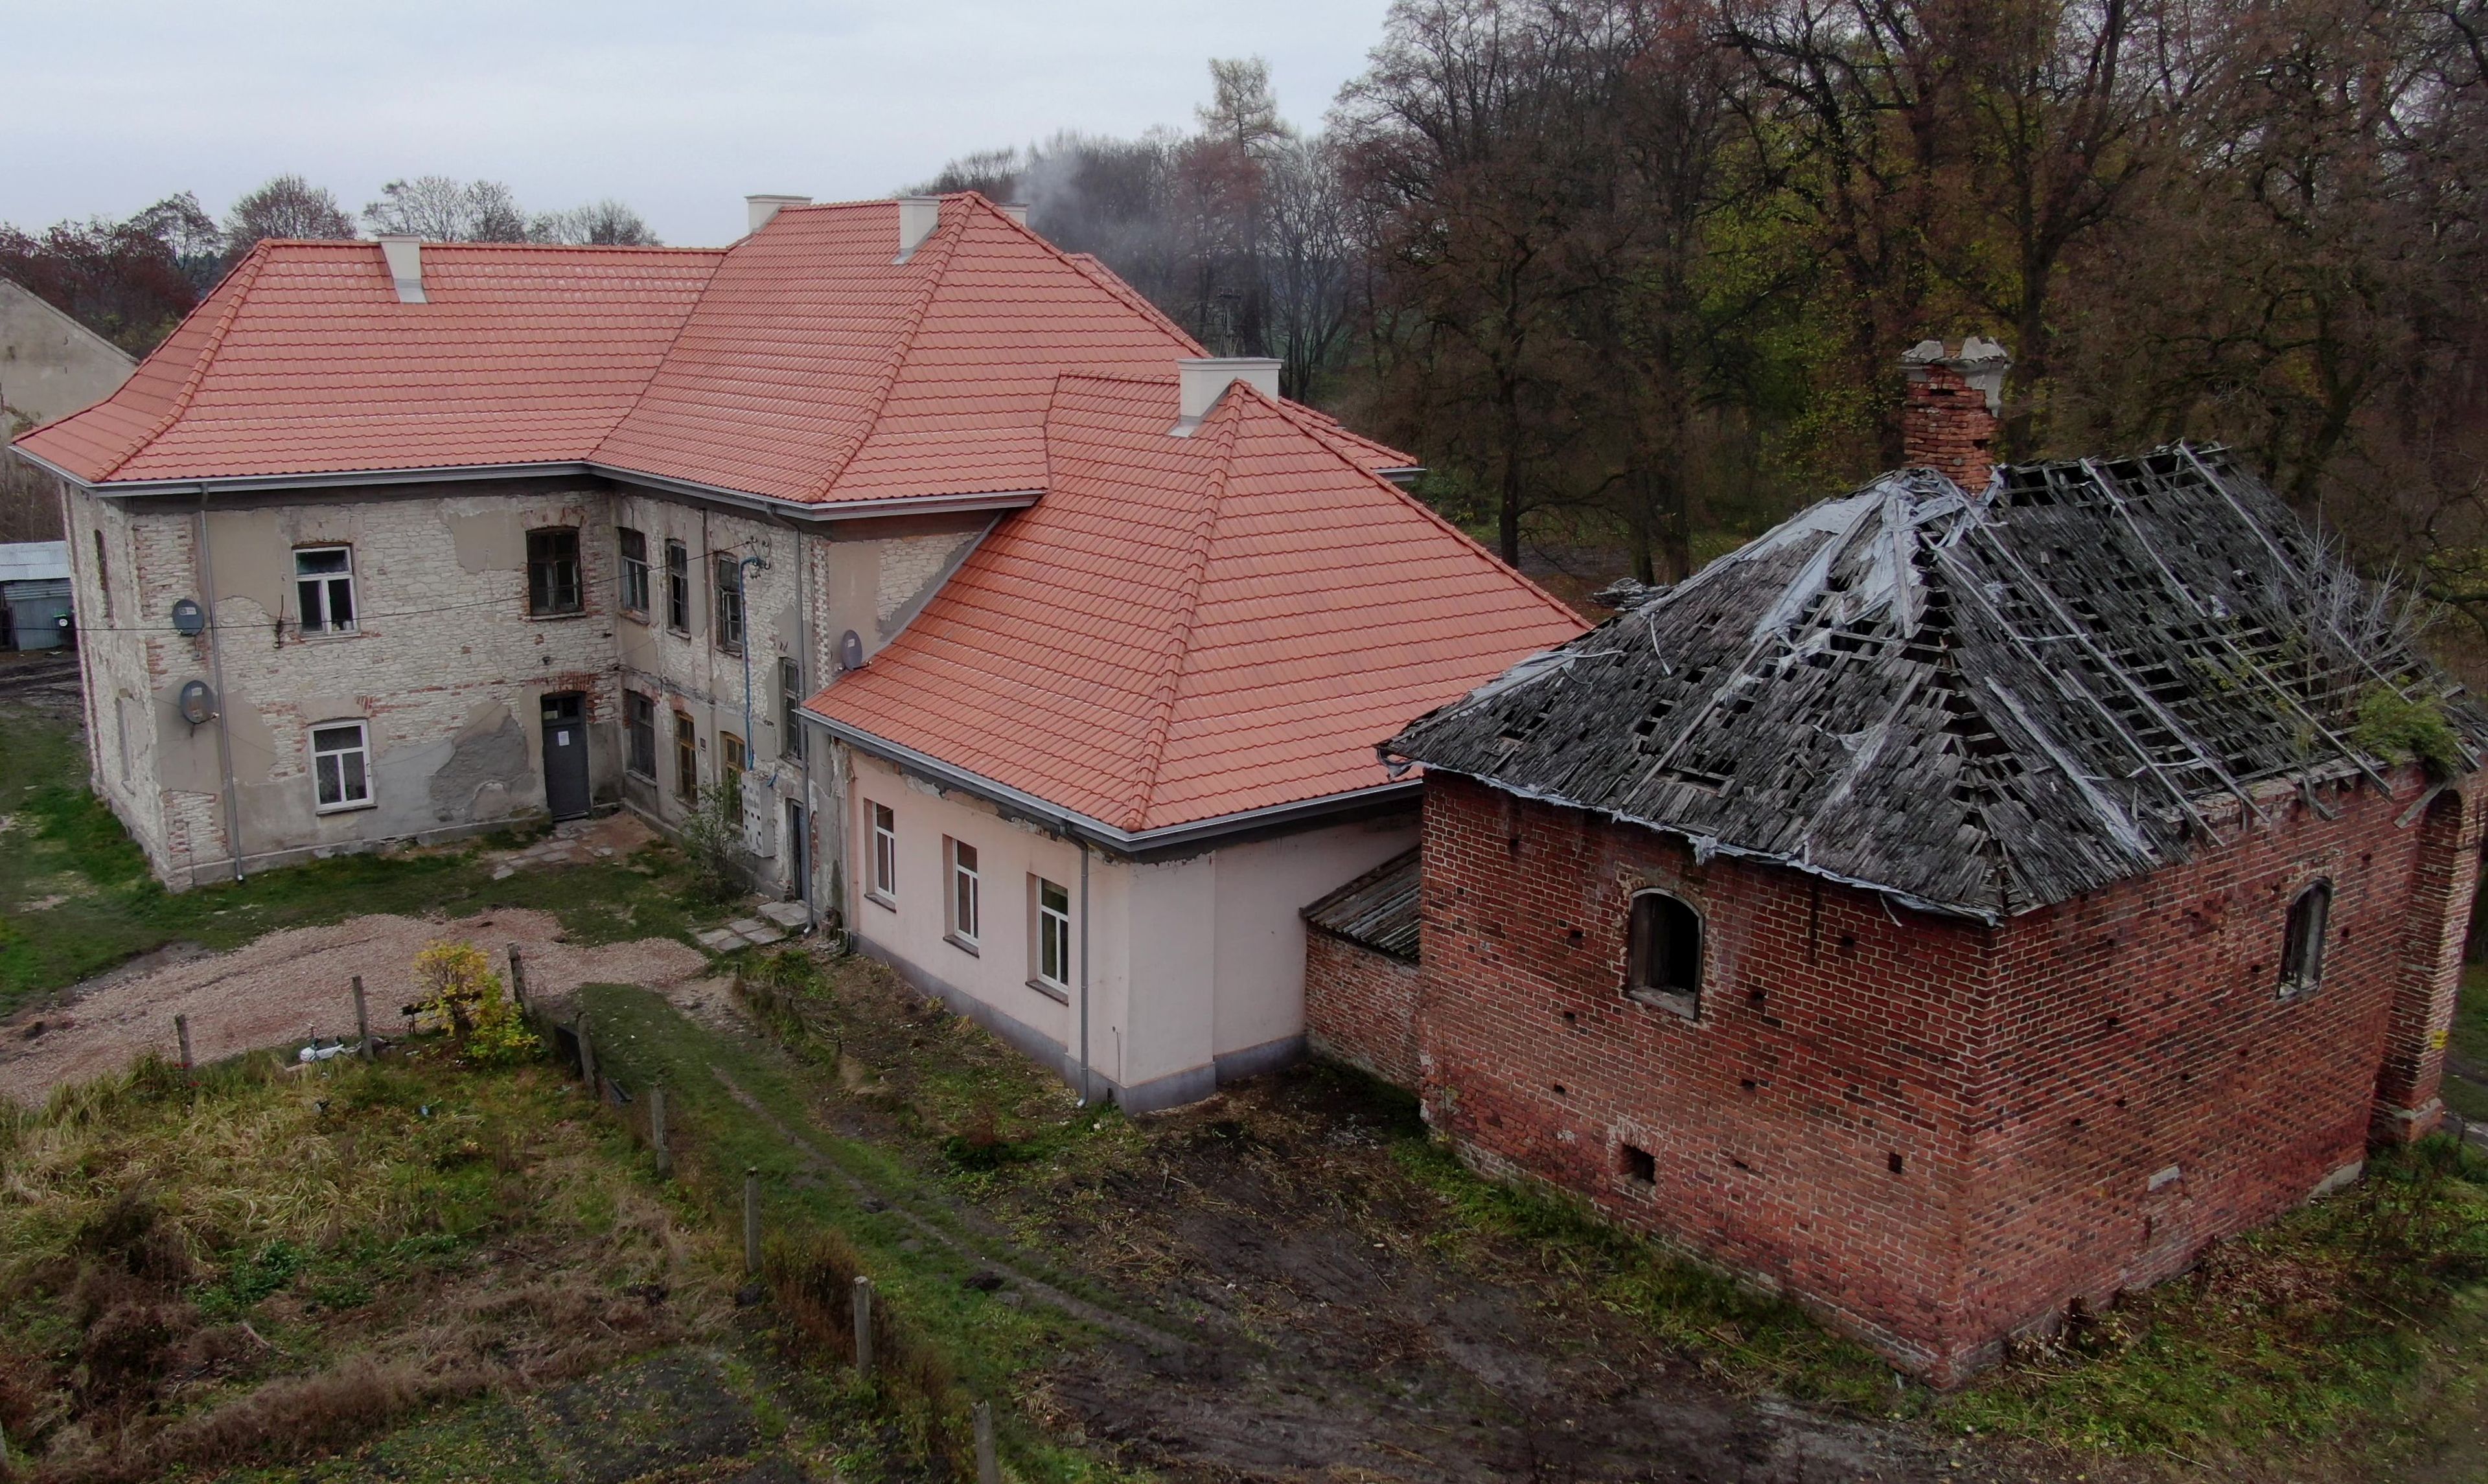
x: 278, y: 1261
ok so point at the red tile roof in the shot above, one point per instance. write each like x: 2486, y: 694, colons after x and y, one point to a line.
x: 802, y: 363
x: 1190, y: 627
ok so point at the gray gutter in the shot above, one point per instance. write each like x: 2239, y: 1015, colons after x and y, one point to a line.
x: 1097, y: 831
x: 838, y: 509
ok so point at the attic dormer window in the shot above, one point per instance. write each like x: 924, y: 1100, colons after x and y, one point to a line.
x: 1664, y: 962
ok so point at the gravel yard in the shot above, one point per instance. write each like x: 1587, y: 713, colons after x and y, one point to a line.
x: 287, y: 986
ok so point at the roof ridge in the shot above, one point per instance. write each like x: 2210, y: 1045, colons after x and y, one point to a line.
x: 944, y: 241
x: 1162, y: 704
x: 242, y: 276
x: 1094, y: 269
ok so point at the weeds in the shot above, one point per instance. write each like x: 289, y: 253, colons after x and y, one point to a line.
x: 281, y: 1260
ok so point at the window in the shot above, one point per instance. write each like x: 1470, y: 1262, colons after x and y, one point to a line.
x: 729, y: 632
x: 640, y: 728
x: 885, y: 854
x: 323, y: 585
x: 686, y: 758
x: 2301, y: 953
x: 732, y: 758
x: 341, y: 766
x: 1666, y: 954
x: 634, y: 573
x: 103, y: 577
x: 678, y: 587
x: 553, y: 572
x: 1641, y: 1166
x: 1050, y: 969
x: 965, y: 893
x: 790, y: 698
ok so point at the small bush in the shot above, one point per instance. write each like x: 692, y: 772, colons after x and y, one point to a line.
x: 462, y: 995
x: 711, y: 841
x: 2392, y: 726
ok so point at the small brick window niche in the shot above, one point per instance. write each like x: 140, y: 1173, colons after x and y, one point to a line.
x: 2302, y: 948
x: 553, y: 572
x: 1640, y: 1167
x: 1663, y: 967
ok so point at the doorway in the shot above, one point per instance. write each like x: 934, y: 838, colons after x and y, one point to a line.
x: 565, y: 755
x: 798, y: 863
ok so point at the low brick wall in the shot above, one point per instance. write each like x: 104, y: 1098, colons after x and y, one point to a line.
x: 1359, y: 1007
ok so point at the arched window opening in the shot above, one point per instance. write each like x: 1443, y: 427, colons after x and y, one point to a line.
x: 1665, y: 967
x: 2301, y: 954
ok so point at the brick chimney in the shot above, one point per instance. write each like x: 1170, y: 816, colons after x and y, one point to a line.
x: 1949, y: 424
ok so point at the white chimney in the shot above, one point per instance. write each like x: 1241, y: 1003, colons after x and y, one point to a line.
x: 918, y: 216
x: 405, y: 258
x: 1199, y: 383
x: 763, y: 207
x: 1016, y: 210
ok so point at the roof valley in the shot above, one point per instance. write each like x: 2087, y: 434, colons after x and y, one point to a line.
x: 1205, y: 535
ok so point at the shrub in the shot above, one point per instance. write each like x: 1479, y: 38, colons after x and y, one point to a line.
x: 463, y: 996
x: 712, y: 839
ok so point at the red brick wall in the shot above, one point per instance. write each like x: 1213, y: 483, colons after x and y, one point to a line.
x: 2030, y: 1079
x: 1945, y: 426
x: 1359, y: 1007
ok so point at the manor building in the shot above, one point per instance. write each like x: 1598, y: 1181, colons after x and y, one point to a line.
x: 1038, y: 650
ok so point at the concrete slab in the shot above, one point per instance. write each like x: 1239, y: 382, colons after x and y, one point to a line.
x: 789, y: 915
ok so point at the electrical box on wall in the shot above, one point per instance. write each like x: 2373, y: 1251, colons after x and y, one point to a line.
x: 759, y: 820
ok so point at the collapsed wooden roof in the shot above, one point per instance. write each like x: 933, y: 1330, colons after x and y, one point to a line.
x: 1977, y: 704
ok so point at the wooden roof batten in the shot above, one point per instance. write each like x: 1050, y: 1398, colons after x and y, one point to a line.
x: 1975, y: 705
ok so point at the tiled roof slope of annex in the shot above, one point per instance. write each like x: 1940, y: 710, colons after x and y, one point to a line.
x: 801, y: 364
x: 1977, y: 703
x: 1187, y: 628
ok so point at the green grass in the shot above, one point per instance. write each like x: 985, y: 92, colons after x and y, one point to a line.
x: 2330, y: 1327
x: 2469, y: 1045
x: 76, y: 898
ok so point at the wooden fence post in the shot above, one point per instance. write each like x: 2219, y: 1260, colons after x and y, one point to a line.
x: 989, y: 1468
x: 863, y: 1326
x: 586, y: 1059
x: 657, y: 1132
x: 362, y: 1021
x: 182, y: 1030
x: 518, y: 980
x: 752, y: 1221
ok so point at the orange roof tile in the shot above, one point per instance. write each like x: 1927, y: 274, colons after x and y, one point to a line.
x: 802, y: 363
x: 1185, y: 628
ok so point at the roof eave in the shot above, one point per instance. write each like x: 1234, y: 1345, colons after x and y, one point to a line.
x: 1706, y: 846
x: 1097, y: 831
x: 809, y: 510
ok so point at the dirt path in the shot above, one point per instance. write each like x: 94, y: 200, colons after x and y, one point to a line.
x: 288, y: 985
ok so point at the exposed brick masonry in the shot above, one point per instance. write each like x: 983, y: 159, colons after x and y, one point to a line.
x: 1935, y: 1133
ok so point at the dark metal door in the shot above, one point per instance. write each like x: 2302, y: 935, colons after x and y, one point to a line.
x: 565, y: 755
x: 799, y: 872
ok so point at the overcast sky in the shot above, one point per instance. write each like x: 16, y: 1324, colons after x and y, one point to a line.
x: 680, y: 108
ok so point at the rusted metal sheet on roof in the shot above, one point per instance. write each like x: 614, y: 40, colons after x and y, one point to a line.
x: 1376, y: 910
x: 1981, y: 704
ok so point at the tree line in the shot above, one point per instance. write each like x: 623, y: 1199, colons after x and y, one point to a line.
x: 1634, y: 276
x: 131, y: 280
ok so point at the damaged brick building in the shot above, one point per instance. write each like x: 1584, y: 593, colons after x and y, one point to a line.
x: 1968, y: 900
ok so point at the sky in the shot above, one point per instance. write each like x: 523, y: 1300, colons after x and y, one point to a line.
x: 679, y: 108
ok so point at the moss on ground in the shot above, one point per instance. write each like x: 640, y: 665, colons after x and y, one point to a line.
x: 76, y: 898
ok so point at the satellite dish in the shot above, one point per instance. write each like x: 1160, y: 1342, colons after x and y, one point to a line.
x: 188, y: 618
x: 850, y: 651
x: 196, y: 702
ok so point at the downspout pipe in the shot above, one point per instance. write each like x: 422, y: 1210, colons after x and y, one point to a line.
x: 216, y: 678
x: 742, y: 572
x: 1067, y: 830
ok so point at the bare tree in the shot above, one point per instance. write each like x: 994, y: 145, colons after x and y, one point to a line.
x: 605, y: 223
x: 440, y: 210
x: 287, y: 205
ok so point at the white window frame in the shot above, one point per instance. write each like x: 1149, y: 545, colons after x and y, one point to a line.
x: 321, y: 756
x: 881, y: 881
x: 1049, y: 936
x: 963, y: 904
x: 326, y: 585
